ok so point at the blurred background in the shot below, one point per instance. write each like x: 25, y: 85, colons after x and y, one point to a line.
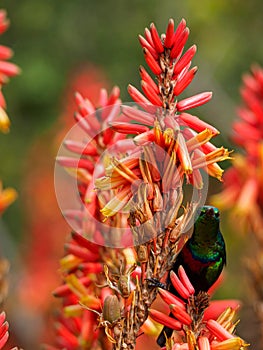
x: 65, y: 45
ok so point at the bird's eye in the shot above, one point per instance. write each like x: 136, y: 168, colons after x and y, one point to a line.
x: 217, y: 214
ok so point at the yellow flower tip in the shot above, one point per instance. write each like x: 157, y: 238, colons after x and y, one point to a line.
x: 216, y: 171
x: 69, y: 262
x: 107, y: 212
x: 168, y: 136
x: 7, y: 197
x: 76, y: 286
x: 73, y: 310
x: 117, y: 202
x: 91, y: 302
x: 234, y: 343
x: 151, y: 328
x: 130, y: 255
x: 188, y: 170
x: 4, y: 121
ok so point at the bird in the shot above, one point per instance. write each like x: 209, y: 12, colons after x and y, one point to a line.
x: 202, y: 257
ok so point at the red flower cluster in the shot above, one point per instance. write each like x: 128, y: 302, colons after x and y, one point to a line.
x: 103, y: 142
x: 166, y: 61
x: 144, y: 171
x: 76, y: 326
x: 84, y: 293
x: 243, y: 187
x: 195, y: 321
x: 7, y: 69
x: 181, y: 140
x: 248, y: 129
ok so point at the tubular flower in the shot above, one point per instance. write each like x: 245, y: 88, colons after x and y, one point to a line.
x: 76, y: 332
x: 79, y: 269
x: 190, y: 312
x: 171, y: 144
x: 95, y: 152
x: 82, y: 265
x: 243, y: 185
x: 7, y: 69
x: 83, y: 290
x: 100, y: 136
x: 3, y: 330
x: 248, y: 128
x: 4, y: 334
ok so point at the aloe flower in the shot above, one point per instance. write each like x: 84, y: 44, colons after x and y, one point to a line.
x: 173, y: 143
x: 243, y: 186
x: 242, y: 191
x: 131, y: 169
x: 192, y: 320
x: 89, y: 158
x: 7, y: 70
x: 3, y: 330
x: 4, y: 333
x: 83, y: 293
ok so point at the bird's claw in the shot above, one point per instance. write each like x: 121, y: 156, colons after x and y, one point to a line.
x: 155, y: 283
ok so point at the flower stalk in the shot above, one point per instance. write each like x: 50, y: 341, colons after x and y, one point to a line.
x: 139, y: 186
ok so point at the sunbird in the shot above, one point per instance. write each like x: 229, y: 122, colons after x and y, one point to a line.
x: 203, y: 257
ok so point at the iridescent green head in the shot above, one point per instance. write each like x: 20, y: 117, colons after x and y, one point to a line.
x: 207, y: 212
x: 207, y: 223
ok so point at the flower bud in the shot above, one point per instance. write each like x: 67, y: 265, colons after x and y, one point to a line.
x: 124, y: 285
x: 111, y: 309
x: 142, y: 253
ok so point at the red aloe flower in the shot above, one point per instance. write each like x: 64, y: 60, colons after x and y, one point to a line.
x: 3, y: 330
x: 4, y: 334
x: 197, y: 327
x: 181, y: 140
x: 76, y: 326
x: 83, y: 296
x: 248, y: 129
x: 138, y: 184
x: 242, y: 193
x: 45, y: 226
x: 100, y: 136
x: 243, y: 186
x: 7, y: 69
